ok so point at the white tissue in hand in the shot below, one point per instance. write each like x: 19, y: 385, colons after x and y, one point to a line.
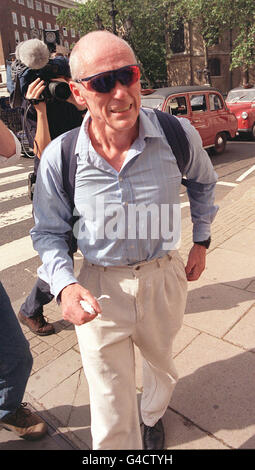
x: 87, y: 307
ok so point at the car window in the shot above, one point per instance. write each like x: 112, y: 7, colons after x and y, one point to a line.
x: 198, y: 103
x: 240, y: 95
x: 215, y: 102
x: 150, y: 102
x: 177, y: 106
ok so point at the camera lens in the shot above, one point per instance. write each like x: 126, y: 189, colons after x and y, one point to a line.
x: 60, y: 90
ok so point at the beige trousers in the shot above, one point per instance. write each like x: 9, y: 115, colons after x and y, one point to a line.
x: 145, y: 307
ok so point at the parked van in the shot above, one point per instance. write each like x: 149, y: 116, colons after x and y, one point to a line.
x: 204, y: 106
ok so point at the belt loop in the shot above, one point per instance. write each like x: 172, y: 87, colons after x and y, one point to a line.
x: 158, y: 263
x: 169, y: 256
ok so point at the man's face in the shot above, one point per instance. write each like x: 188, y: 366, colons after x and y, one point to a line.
x: 119, y: 108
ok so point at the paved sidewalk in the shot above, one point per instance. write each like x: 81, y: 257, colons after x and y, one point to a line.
x: 213, y: 403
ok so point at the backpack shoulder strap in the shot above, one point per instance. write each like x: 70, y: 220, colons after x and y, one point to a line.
x: 69, y: 162
x: 69, y: 166
x: 176, y: 138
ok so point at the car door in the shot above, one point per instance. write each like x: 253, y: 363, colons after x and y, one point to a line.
x: 200, y: 117
x: 219, y: 113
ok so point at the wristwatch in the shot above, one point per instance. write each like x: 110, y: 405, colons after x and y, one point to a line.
x: 205, y: 243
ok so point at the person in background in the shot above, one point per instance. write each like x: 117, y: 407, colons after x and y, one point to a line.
x: 45, y: 121
x: 15, y: 356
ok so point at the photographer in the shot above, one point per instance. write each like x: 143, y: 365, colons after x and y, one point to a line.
x: 49, y: 111
x: 46, y: 120
x: 42, y: 135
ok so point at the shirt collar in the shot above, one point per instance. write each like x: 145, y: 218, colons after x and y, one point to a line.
x: 147, y: 129
x: 83, y: 141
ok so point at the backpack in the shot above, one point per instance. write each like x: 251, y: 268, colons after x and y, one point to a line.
x: 173, y: 131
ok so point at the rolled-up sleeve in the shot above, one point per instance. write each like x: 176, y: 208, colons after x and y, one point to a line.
x: 4, y: 161
x: 53, y: 215
x: 201, y: 182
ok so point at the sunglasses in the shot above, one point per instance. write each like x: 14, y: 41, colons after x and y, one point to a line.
x: 105, y: 82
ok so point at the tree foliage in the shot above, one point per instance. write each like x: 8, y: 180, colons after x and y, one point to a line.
x: 205, y: 15
x: 147, y: 34
x: 243, y: 55
x: 153, y: 23
x: 222, y: 15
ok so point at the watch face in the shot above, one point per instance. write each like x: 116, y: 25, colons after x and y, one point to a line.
x: 50, y: 36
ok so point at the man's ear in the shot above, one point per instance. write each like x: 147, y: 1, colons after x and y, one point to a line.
x: 78, y: 96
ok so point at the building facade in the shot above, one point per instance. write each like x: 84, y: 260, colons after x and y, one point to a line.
x: 186, y: 65
x: 25, y: 19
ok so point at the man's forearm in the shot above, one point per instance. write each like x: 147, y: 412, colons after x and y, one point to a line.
x: 202, y: 208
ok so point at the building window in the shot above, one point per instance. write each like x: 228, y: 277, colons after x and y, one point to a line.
x: 25, y: 36
x: 40, y: 24
x: 14, y: 18
x: 55, y: 11
x: 46, y: 8
x: 38, y: 6
x: 177, y: 44
x: 21, y: 2
x: 16, y: 33
x: 32, y: 23
x: 214, y: 67
x: 30, y: 3
x: 64, y: 31
x: 23, y: 21
x: 48, y: 26
x: 73, y: 33
x: 66, y: 44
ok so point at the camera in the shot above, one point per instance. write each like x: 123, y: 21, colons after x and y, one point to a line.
x: 57, y: 67
x: 33, y: 61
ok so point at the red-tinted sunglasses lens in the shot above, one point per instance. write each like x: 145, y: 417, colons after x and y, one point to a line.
x: 105, y: 82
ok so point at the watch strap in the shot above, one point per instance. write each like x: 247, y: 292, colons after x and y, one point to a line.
x: 205, y: 243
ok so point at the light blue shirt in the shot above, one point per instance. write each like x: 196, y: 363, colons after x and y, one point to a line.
x: 125, y: 217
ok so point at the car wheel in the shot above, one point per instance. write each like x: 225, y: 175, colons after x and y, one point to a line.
x: 220, y: 143
x: 253, y: 132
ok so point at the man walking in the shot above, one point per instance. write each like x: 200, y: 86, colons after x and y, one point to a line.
x: 125, y: 169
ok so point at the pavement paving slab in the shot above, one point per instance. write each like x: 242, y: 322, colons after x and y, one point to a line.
x: 216, y: 389
x: 214, y: 307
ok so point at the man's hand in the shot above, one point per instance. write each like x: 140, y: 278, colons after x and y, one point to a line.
x: 196, y: 262
x: 72, y: 311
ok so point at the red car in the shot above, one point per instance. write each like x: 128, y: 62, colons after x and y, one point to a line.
x: 241, y: 101
x: 205, y: 108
